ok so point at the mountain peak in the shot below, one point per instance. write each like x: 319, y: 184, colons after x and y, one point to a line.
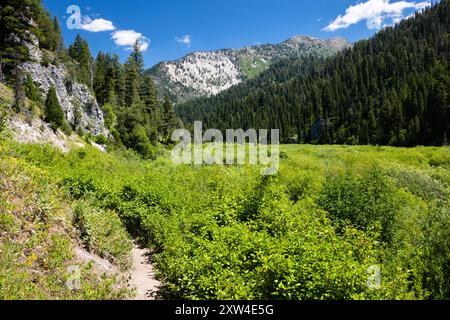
x: 209, y: 73
x: 300, y: 38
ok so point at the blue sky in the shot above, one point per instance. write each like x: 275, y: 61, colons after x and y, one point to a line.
x: 170, y: 29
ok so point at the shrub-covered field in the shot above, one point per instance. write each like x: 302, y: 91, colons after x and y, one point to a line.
x: 336, y: 222
x: 38, y: 238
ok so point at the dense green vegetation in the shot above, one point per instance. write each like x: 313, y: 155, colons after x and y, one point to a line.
x: 134, y: 115
x: 311, y: 232
x: 319, y: 229
x: 79, y: 52
x: 38, y: 238
x: 392, y: 89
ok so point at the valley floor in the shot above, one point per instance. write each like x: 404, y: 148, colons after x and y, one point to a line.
x: 315, y: 231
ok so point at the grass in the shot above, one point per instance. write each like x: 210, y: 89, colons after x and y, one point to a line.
x: 253, y: 67
x: 37, y: 238
x: 225, y: 232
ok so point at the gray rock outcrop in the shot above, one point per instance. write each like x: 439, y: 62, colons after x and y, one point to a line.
x: 79, y: 106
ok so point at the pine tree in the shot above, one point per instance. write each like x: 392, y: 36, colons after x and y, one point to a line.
x: 137, y: 56
x: 132, y: 83
x: 170, y: 120
x: 80, y: 52
x: 371, y: 93
x: 16, y: 29
x: 53, y: 112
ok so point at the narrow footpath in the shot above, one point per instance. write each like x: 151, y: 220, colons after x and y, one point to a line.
x: 143, y: 275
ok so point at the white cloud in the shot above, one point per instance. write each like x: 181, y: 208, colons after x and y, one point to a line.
x: 186, y: 40
x: 126, y: 38
x: 122, y: 38
x: 375, y: 12
x: 97, y: 25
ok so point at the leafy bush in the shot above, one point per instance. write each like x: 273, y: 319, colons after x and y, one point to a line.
x: 102, y: 232
x: 436, y: 255
x: 141, y: 143
x: 66, y: 128
x: 312, y: 232
x: 365, y: 201
x: 31, y: 90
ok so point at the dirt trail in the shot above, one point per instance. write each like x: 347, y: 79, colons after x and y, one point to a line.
x: 143, y: 275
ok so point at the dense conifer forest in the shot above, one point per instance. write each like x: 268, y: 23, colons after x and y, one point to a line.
x: 392, y: 89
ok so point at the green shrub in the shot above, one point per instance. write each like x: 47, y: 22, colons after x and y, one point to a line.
x: 101, y: 139
x: 420, y: 184
x: 436, y: 250
x: 109, y: 115
x: 140, y: 142
x: 36, y: 238
x: 365, y: 201
x: 46, y: 60
x: 31, y: 90
x: 102, y: 233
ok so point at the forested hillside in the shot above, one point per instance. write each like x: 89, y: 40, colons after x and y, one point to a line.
x: 130, y: 102
x: 202, y: 74
x: 392, y: 89
x: 44, y: 74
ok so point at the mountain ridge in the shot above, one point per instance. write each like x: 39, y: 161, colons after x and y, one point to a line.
x: 207, y: 73
x: 391, y: 89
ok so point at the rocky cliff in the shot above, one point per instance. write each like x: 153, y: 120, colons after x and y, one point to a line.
x: 79, y: 105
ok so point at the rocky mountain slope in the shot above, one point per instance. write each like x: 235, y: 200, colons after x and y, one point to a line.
x: 78, y: 103
x: 209, y: 73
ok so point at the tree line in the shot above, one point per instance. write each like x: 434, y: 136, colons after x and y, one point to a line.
x: 134, y: 115
x: 392, y: 89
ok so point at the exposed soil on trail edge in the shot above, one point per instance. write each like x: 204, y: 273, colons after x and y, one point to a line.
x: 143, y: 275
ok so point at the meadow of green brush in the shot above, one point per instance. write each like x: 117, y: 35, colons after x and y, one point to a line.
x: 38, y: 238
x: 311, y: 232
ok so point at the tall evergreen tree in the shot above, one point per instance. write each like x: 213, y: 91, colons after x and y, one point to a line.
x: 137, y: 56
x: 59, y: 41
x: 80, y: 52
x: 170, y: 121
x: 53, y: 112
x: 16, y: 18
x: 132, y: 83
